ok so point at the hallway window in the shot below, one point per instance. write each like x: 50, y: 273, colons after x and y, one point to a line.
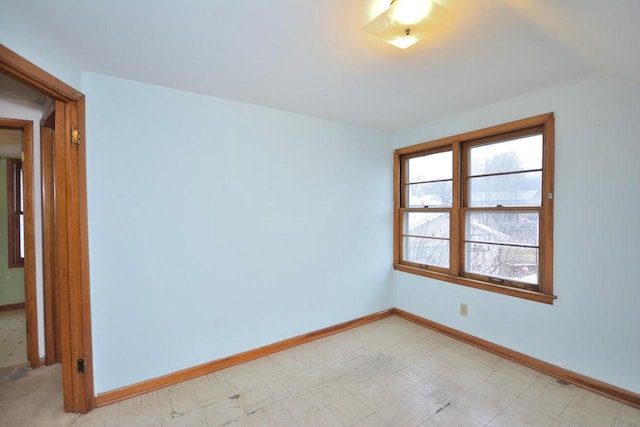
x: 15, y: 213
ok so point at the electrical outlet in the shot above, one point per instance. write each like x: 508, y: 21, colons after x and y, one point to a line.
x: 464, y: 310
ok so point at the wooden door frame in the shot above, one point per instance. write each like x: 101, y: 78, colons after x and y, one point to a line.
x: 70, y: 228
x: 30, y: 303
x: 51, y: 300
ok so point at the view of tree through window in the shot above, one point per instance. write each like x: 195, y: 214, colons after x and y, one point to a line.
x: 475, y: 208
x: 502, y: 242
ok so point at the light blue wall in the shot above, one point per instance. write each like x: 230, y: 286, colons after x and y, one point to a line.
x: 217, y: 227
x: 592, y: 328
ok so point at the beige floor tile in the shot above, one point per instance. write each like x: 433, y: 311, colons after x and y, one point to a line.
x: 256, y: 399
x: 629, y: 415
x: 443, y: 389
x: 329, y: 392
x: 475, y: 408
x: 321, y: 417
x: 286, y: 386
x: 451, y: 416
x: 211, y: 393
x: 424, y: 402
x: 591, y: 410
x: 373, y: 420
x: 350, y: 410
x: 621, y: 423
x: 375, y: 396
x: 356, y: 381
x: 185, y: 403
x: 521, y: 372
x: 509, y: 383
x: 518, y: 414
x: 193, y: 419
x: 402, y: 382
x: 243, y: 378
x: 273, y: 415
x: 399, y: 414
x: 491, y: 394
x: 301, y: 406
x: 105, y: 416
x: 549, y: 396
x: 222, y: 412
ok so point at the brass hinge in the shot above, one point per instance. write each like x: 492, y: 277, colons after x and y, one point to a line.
x: 82, y: 366
x: 75, y: 136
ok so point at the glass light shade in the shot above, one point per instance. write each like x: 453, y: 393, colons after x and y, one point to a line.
x: 410, y: 12
x: 406, y: 22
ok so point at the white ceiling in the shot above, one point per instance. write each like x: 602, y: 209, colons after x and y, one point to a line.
x: 311, y: 57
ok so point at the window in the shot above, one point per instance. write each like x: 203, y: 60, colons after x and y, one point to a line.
x: 15, y: 213
x: 477, y: 209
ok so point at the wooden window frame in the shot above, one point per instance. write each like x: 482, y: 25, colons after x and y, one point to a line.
x: 14, y: 212
x: 459, y: 145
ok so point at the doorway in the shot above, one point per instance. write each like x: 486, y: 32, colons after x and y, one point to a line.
x: 68, y: 219
x: 20, y: 319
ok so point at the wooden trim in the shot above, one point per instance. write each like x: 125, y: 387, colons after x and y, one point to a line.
x: 11, y: 307
x: 546, y: 243
x: 29, y: 74
x: 477, y: 284
x: 481, y: 133
x: 596, y: 386
x: 397, y: 194
x: 83, y: 244
x: 60, y: 238
x: 459, y: 145
x: 137, y: 389
x: 50, y: 296
x: 69, y: 227
x: 30, y: 248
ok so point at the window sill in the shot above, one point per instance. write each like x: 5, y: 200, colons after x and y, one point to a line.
x: 500, y: 289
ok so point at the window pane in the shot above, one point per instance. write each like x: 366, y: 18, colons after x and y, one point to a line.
x: 519, y: 228
x: 21, y: 190
x: 429, y: 194
x: 508, y: 156
x: 520, y: 189
x: 505, y: 262
x: 428, y: 224
x: 21, y: 236
x: 427, y: 251
x: 431, y: 167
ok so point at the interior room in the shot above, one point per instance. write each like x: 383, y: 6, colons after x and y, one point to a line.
x: 215, y: 203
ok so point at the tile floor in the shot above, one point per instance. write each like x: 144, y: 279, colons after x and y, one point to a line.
x: 13, y: 339
x: 387, y: 373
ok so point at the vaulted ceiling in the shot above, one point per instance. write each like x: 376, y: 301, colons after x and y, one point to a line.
x: 311, y: 56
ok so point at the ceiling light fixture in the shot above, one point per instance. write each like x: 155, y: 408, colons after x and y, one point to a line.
x: 405, y: 22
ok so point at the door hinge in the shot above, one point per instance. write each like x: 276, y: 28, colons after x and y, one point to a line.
x: 82, y: 366
x: 75, y: 136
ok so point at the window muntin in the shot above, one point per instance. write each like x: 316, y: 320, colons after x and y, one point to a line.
x: 426, y: 238
x: 427, y: 198
x: 429, y: 178
x: 476, y: 209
